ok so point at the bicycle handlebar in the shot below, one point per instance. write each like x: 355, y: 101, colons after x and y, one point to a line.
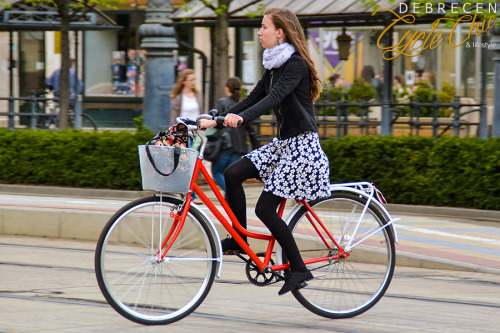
x: 193, y: 125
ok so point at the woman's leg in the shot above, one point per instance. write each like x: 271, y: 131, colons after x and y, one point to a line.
x: 234, y: 177
x: 266, y: 211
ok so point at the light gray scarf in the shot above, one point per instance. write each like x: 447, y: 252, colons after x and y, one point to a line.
x: 277, y: 56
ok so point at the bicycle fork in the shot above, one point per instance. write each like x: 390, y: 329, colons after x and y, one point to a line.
x: 176, y: 228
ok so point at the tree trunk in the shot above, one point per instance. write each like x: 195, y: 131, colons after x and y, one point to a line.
x: 63, y: 7
x: 221, y: 61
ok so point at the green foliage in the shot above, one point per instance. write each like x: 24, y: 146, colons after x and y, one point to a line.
x: 409, y: 170
x: 359, y: 91
x: 330, y: 94
x: 261, y: 9
x: 446, y: 95
x: 139, y: 124
x: 420, y: 170
x: 71, y: 158
x: 425, y: 94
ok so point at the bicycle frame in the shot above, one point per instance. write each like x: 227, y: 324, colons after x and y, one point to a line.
x: 326, y: 237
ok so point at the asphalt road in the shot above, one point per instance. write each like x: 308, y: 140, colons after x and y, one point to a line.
x: 48, y: 285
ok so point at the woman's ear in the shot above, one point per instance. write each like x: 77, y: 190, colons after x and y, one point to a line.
x: 281, y: 34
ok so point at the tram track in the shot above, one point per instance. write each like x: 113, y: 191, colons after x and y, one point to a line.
x: 225, y: 318
x: 83, y: 293
x: 53, y: 295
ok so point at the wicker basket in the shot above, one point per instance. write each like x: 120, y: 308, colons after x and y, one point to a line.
x: 163, y: 158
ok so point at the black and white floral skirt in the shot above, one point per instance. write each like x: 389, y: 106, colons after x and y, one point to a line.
x: 294, y: 168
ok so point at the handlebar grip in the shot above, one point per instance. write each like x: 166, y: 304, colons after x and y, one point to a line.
x: 220, y: 120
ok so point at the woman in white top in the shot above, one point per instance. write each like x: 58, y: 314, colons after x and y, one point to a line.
x: 187, y: 101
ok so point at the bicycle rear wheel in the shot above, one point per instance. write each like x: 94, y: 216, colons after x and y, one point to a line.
x: 134, y: 279
x: 345, y: 287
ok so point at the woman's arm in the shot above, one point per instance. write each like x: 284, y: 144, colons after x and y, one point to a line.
x: 291, y: 75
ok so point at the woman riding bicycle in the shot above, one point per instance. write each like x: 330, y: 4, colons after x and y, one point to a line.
x: 293, y: 165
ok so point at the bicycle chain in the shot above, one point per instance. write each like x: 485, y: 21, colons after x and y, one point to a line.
x: 267, y: 280
x: 251, y: 267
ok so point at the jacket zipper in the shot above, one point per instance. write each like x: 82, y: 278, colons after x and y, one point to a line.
x: 279, y: 110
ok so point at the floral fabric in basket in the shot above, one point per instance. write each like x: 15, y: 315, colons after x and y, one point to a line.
x: 176, y: 136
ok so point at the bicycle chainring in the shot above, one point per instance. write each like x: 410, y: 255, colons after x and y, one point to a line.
x: 255, y: 277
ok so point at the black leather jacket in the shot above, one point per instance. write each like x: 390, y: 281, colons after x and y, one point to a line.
x: 287, y: 91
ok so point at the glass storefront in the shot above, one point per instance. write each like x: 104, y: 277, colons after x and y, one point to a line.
x: 31, y: 62
x: 114, y: 64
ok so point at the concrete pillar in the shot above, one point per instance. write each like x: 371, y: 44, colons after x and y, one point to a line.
x: 387, y: 85
x: 495, y: 42
x: 158, y: 39
x: 483, y: 114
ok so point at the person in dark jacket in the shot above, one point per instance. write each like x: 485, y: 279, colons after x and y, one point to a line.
x: 293, y: 165
x: 368, y: 75
x: 234, y: 139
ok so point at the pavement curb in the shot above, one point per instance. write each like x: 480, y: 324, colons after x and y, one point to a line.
x: 56, y: 191
x: 468, y: 213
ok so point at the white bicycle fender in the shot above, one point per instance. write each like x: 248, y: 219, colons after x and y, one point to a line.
x: 333, y: 188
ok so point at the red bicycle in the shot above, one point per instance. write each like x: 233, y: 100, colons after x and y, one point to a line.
x: 157, y: 257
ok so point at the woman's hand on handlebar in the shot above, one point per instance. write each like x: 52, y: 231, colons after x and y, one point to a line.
x: 233, y: 120
x: 205, y: 123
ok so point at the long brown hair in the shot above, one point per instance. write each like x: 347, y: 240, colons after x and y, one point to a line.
x: 286, y: 20
x: 179, y: 84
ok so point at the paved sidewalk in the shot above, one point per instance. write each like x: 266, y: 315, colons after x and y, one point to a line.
x: 430, y: 237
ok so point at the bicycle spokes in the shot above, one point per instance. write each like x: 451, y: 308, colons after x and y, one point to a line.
x: 322, y: 229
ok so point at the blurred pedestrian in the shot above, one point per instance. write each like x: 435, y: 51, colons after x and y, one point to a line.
x: 368, y: 75
x: 187, y: 101
x: 234, y: 139
x: 53, y: 83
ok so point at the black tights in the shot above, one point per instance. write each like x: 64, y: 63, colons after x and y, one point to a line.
x: 266, y: 209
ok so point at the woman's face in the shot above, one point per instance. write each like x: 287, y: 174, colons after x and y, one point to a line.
x: 190, y: 81
x: 268, y: 34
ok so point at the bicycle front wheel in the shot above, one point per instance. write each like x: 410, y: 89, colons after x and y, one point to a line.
x: 348, y: 286
x: 133, y: 276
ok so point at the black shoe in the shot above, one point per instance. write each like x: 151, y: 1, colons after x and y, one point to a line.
x: 229, y: 246
x: 296, y: 280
